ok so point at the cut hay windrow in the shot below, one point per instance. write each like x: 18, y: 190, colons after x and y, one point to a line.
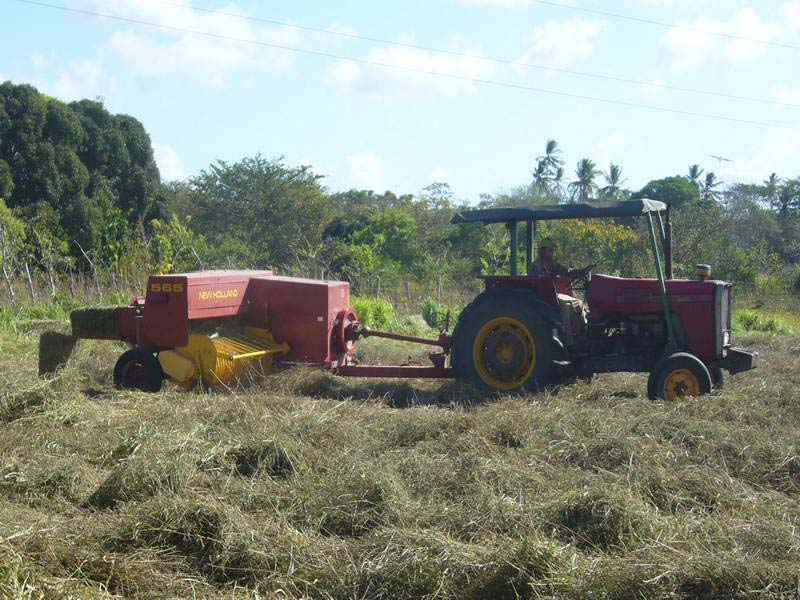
x: 96, y: 321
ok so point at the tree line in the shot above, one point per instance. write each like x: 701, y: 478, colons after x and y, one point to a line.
x: 80, y: 193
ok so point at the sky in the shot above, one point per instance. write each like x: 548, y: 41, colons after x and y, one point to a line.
x: 397, y: 95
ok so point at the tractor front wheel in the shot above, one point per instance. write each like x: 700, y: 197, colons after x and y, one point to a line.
x: 503, y: 342
x: 138, y: 369
x: 681, y: 375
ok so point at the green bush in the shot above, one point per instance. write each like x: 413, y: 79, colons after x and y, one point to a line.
x: 751, y: 320
x: 795, y: 279
x: 374, y: 312
x: 435, y: 314
x: 773, y: 284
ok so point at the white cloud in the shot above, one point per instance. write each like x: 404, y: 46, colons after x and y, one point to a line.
x: 689, y: 48
x: 337, y: 27
x: 172, y: 53
x: 791, y: 10
x: 609, y: 148
x: 42, y: 61
x: 562, y: 43
x: 81, y: 79
x: 365, y: 171
x: 343, y: 75
x: 317, y: 167
x: 169, y: 163
x: 412, y: 72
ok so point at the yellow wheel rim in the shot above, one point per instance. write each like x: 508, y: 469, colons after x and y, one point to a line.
x: 504, y: 353
x: 681, y: 383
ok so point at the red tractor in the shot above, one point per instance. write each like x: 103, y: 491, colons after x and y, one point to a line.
x: 208, y: 327
x: 514, y: 335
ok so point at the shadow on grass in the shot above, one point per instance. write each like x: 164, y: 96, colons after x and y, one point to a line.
x: 392, y: 393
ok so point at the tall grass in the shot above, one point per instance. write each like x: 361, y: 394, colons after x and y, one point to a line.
x: 752, y: 320
x: 305, y: 485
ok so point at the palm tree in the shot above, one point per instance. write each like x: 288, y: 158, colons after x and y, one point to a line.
x: 614, y: 180
x: 694, y: 175
x: 558, y: 184
x: 552, y: 157
x: 788, y: 197
x: 583, y: 187
x: 771, y: 189
x: 541, y: 179
x: 707, y: 191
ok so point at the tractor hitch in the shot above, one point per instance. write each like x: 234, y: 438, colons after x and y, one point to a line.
x: 443, y: 341
x: 437, y: 370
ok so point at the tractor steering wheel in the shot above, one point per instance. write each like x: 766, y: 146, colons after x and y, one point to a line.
x: 584, y: 277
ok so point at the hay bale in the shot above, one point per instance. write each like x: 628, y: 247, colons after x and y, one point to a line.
x: 94, y: 322
x: 54, y: 351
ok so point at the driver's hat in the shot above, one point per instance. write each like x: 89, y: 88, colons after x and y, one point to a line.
x: 547, y: 242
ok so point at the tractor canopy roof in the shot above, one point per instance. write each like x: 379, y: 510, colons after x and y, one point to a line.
x: 629, y: 208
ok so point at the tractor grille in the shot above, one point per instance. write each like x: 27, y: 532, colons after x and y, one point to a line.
x: 722, y: 320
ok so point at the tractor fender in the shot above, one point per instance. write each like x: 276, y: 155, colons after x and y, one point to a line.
x: 543, y: 308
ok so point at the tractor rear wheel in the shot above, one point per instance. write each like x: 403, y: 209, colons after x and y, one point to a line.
x: 503, y: 342
x: 681, y: 375
x: 138, y: 369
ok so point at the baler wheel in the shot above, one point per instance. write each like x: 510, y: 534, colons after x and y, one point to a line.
x: 138, y: 369
x: 679, y: 376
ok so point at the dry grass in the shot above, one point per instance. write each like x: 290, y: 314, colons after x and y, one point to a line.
x: 306, y: 485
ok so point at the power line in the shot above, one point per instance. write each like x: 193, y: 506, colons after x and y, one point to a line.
x: 504, y: 61
x: 374, y: 63
x: 666, y: 24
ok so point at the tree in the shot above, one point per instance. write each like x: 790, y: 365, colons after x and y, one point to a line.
x: 12, y: 239
x: 613, y: 189
x: 694, y: 175
x: 47, y: 242
x: 558, y: 184
x: 708, y: 191
x: 552, y: 157
x: 6, y: 180
x: 771, y: 185
x: 540, y: 175
x: 549, y: 170
x: 260, y: 212
x: 787, y: 198
x: 174, y: 247
x: 75, y: 157
x: 676, y: 191
x: 584, y: 187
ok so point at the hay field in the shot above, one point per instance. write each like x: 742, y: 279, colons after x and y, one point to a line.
x: 305, y: 485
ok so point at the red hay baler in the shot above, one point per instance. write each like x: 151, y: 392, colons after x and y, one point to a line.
x: 208, y: 327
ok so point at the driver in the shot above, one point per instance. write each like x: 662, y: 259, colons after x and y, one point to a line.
x: 546, y: 264
x: 573, y: 316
